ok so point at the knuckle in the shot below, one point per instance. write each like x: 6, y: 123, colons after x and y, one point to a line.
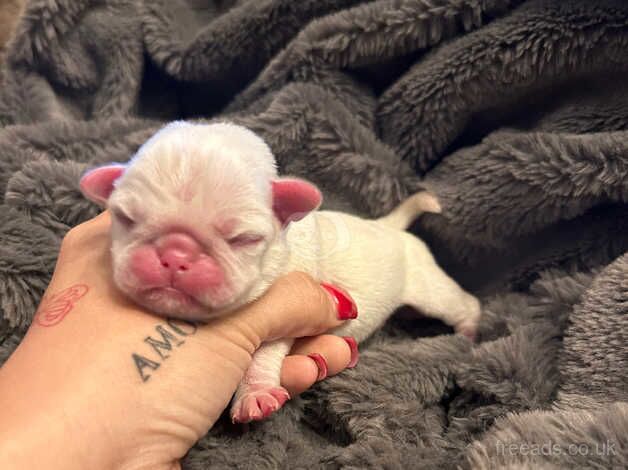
x: 75, y: 236
x: 71, y: 238
x: 300, y: 279
x: 305, y: 289
x: 298, y: 283
x: 323, y: 299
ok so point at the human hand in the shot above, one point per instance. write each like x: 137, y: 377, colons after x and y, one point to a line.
x: 99, y: 383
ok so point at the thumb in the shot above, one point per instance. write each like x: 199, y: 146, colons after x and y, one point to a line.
x: 297, y: 305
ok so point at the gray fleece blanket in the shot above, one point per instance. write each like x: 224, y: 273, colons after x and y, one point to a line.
x: 514, y: 113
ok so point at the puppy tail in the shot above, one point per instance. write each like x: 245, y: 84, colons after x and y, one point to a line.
x: 405, y: 213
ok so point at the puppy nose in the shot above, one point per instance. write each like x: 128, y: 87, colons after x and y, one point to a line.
x: 177, y: 251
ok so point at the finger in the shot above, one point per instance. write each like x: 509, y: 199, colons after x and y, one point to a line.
x: 316, y: 358
x: 298, y: 373
x: 86, y: 248
x: 85, y: 232
x: 334, y: 349
x: 100, y: 222
x: 296, y: 305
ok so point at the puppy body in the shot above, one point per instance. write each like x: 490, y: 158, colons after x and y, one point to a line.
x: 202, y: 225
x: 381, y: 266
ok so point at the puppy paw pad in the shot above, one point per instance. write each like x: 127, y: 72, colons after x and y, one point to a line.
x: 258, y: 402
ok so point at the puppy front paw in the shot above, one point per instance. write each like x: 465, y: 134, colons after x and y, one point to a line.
x: 468, y: 330
x: 468, y: 325
x: 257, y: 401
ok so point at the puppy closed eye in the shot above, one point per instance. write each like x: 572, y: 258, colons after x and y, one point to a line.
x: 245, y: 239
x: 122, y: 217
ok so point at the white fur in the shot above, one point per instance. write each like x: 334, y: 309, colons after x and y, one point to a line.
x: 188, y: 175
x: 382, y: 267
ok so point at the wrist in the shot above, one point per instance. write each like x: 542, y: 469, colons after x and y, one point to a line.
x: 51, y: 436
x: 68, y: 394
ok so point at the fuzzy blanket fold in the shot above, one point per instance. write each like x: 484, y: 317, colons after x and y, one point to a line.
x: 514, y: 113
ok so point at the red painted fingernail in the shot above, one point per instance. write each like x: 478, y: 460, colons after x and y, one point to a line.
x: 321, y: 363
x: 355, y: 354
x: 347, y: 310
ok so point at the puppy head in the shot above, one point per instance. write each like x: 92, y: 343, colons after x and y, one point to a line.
x: 194, y: 214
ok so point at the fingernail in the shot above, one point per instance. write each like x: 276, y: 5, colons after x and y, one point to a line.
x: 321, y: 363
x: 347, y: 310
x: 355, y: 354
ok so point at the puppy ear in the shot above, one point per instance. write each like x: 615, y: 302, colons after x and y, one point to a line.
x: 293, y: 199
x: 97, y: 184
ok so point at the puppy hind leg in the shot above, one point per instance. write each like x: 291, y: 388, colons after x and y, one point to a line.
x: 260, y: 393
x: 431, y: 291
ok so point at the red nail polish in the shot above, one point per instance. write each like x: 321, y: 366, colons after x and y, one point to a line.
x: 321, y: 363
x: 355, y: 354
x: 347, y: 310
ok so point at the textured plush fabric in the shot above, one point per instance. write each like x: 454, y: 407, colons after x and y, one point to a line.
x: 10, y: 11
x: 9, y: 16
x: 514, y: 113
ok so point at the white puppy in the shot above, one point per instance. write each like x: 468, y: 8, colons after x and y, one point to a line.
x: 201, y: 225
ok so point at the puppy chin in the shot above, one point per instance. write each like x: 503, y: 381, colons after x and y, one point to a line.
x: 175, y: 304
x: 169, y: 303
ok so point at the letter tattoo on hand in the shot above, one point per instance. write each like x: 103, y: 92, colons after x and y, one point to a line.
x: 162, y: 348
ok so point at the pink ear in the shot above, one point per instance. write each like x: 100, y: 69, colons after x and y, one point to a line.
x: 97, y: 184
x: 293, y: 199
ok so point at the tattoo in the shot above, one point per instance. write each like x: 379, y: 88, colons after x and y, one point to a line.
x: 54, y: 308
x: 160, y: 346
x: 170, y: 335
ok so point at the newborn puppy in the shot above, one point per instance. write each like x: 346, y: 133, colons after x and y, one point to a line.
x: 202, y: 224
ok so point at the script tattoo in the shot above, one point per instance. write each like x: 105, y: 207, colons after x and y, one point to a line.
x: 168, y: 336
x: 55, y: 307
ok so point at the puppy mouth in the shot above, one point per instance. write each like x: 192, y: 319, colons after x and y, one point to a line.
x: 177, y: 304
x: 175, y: 295
x: 170, y: 301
